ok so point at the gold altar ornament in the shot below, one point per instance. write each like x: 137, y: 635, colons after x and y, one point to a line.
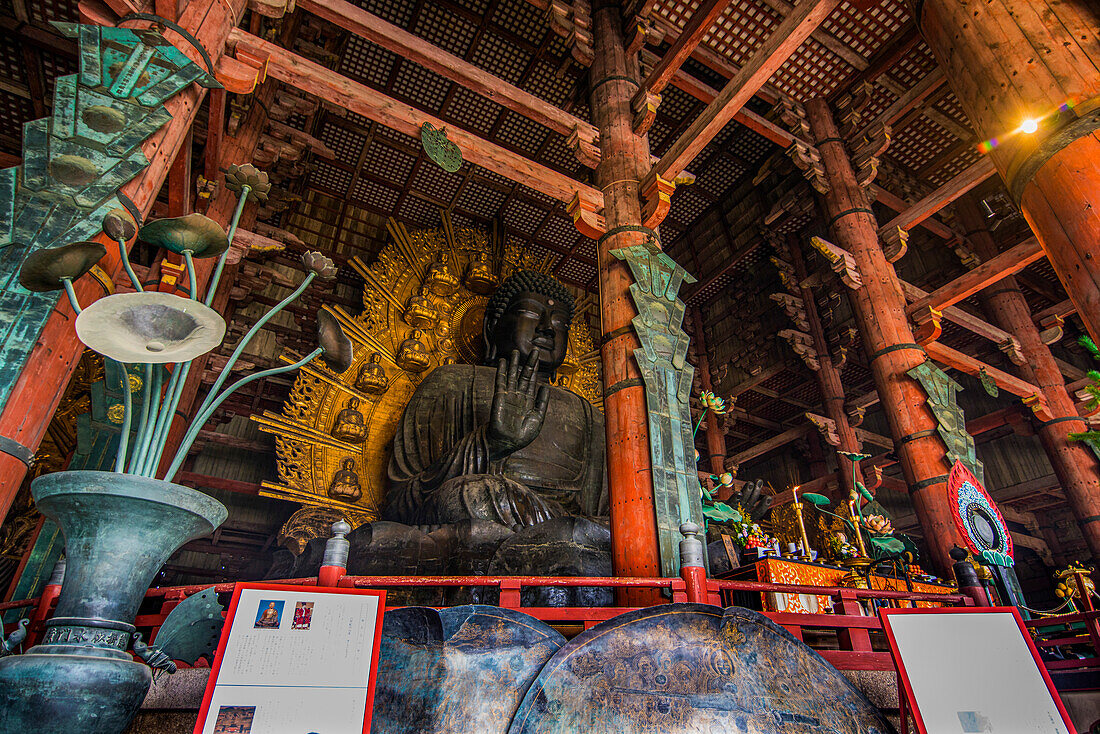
x: 423, y: 306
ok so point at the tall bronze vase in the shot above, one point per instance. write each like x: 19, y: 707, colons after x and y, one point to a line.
x: 119, y: 530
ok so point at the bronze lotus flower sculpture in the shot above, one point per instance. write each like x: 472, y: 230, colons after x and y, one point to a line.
x: 119, y: 224
x: 317, y: 263
x: 247, y: 176
x: 150, y: 327
x: 51, y: 269
x: 195, y: 233
x: 338, y: 353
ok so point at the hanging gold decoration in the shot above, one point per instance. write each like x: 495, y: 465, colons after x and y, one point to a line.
x: 423, y: 306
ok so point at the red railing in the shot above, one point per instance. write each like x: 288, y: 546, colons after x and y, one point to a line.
x: 1075, y: 638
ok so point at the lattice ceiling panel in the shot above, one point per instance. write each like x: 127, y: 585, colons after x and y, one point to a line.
x: 419, y: 212
x: 437, y: 183
x: 955, y: 166
x: 557, y: 155
x: 523, y: 216
x: 547, y: 82
x: 346, y: 143
x: 750, y: 147
x: 481, y: 200
x: 389, y: 163
x: 13, y: 111
x: 866, y: 31
x: 686, y: 205
x: 416, y: 84
x: 448, y: 30
x: 501, y: 57
x: 472, y: 111
x: 398, y: 12
x: 586, y: 250
x: 919, y: 143
x: 335, y: 180
x: 44, y: 11
x: 376, y: 195
x: 519, y: 133
x: 915, y: 65
x: 12, y: 65
x: 721, y: 173
x: 660, y: 136
x: 812, y: 71
x: 559, y: 232
x: 575, y: 271
x: 367, y: 62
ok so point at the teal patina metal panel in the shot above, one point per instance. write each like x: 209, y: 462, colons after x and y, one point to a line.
x: 667, y: 377
x: 951, y: 423
x: 75, y: 161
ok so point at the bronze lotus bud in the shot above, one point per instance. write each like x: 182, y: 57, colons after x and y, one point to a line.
x: 338, y: 354
x: 119, y: 224
x: 44, y: 270
x: 315, y: 262
x: 246, y: 174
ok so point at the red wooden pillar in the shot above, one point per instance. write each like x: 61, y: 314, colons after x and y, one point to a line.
x: 1073, y: 463
x: 879, y: 308
x: 716, y: 440
x: 1012, y: 60
x: 625, y: 160
x: 828, y: 379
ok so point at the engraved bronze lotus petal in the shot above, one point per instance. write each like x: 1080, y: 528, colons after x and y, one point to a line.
x: 318, y: 263
x: 237, y: 177
x: 119, y: 224
x: 150, y: 327
x: 44, y: 270
x: 338, y: 354
x: 200, y: 234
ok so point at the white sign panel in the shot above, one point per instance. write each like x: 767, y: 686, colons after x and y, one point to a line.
x: 294, y: 660
x: 974, y: 670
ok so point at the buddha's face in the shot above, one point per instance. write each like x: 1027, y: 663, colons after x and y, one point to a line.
x: 533, y: 321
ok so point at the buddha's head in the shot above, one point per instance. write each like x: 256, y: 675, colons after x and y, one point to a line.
x: 529, y: 311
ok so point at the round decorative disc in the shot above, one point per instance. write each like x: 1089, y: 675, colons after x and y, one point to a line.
x: 976, y: 514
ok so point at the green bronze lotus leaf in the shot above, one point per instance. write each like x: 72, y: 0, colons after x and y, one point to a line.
x: 338, y: 354
x: 119, y: 224
x: 818, y: 500
x: 45, y: 270
x: 239, y: 176
x: 200, y: 234
x: 150, y: 327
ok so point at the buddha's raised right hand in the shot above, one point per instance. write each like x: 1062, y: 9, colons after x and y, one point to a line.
x: 519, y: 406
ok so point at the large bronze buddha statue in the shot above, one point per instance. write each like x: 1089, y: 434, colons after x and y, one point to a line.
x: 499, y: 442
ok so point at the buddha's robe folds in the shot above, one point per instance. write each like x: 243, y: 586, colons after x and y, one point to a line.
x: 441, y: 472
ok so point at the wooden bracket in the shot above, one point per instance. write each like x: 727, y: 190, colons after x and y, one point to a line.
x: 840, y: 260
x: 895, y: 242
x: 967, y: 256
x: 793, y: 203
x: 866, y: 156
x: 795, y: 309
x: 793, y: 116
x: 1012, y: 350
x: 573, y: 22
x: 807, y: 159
x: 644, y: 104
x: 656, y: 195
x: 271, y: 8
x: 585, y: 147
x: 641, y: 31
x: 802, y: 344
x: 872, y: 478
x: 928, y: 326
x: 1038, y: 405
x: 840, y: 358
x: 1050, y: 329
x: 826, y: 427
x: 851, y: 105
x: 586, y: 218
x: 856, y: 414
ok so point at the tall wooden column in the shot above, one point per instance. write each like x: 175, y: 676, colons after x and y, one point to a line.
x: 716, y: 440
x: 879, y: 308
x: 1074, y: 464
x: 828, y: 379
x: 625, y: 160
x: 1012, y: 60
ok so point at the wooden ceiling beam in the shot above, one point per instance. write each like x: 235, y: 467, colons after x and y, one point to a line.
x: 965, y: 319
x: 898, y: 204
x: 991, y: 271
x: 697, y: 26
x: 774, y: 52
x: 312, y: 78
x: 941, y: 197
x: 965, y: 363
x: 906, y: 102
x: 775, y: 442
x: 822, y: 36
x: 706, y: 94
x: 355, y: 20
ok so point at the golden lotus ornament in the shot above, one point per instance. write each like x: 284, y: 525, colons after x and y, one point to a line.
x: 150, y: 327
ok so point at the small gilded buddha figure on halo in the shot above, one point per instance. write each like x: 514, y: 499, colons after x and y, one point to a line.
x: 419, y: 311
x: 499, y: 442
x: 349, y: 425
x: 371, y: 378
x: 440, y: 280
x: 413, y: 356
x: 479, y: 276
x: 345, y: 483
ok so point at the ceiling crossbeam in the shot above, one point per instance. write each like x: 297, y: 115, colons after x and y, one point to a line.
x: 779, y: 47
x: 584, y: 138
x: 312, y: 78
x: 689, y: 39
x: 941, y: 197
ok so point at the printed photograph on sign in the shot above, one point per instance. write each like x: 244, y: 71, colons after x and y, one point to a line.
x: 234, y: 720
x: 269, y: 614
x: 303, y: 615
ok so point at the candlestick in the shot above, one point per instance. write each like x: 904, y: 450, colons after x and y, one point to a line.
x: 855, y: 523
x: 797, y: 506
